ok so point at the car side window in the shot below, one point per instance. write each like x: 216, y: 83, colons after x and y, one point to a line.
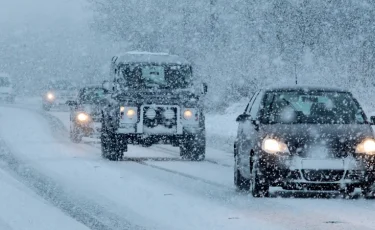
x: 248, y: 107
x: 256, y: 105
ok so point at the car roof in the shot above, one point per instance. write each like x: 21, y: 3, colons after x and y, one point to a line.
x: 306, y: 88
x: 139, y: 57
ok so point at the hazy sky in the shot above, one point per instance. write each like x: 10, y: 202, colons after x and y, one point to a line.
x: 42, y: 39
x: 42, y: 14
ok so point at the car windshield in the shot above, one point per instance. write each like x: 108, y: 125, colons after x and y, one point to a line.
x: 4, y: 82
x: 91, y: 95
x: 312, y: 107
x: 156, y: 76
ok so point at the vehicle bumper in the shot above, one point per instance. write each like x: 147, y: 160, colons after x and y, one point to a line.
x: 296, y: 172
x: 92, y: 129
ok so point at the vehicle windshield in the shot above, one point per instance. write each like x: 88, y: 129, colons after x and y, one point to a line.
x: 91, y: 95
x: 4, y: 82
x: 173, y: 76
x: 312, y: 107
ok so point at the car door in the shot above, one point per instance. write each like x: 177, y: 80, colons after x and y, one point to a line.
x: 244, y: 141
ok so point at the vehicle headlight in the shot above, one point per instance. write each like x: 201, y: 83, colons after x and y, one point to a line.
x: 367, y: 146
x: 82, y: 117
x: 271, y: 145
x: 128, y: 114
x: 150, y: 113
x: 169, y: 114
x: 50, y: 96
x: 188, y: 114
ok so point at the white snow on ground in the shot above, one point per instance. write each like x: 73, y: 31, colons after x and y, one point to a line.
x: 21, y: 208
x: 164, y: 194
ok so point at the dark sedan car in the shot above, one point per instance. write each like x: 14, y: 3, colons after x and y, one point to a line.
x: 304, y: 138
x: 85, y: 115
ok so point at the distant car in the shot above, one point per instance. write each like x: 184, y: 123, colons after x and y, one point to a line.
x: 6, y: 88
x: 304, y: 138
x: 85, y: 115
x: 57, y: 93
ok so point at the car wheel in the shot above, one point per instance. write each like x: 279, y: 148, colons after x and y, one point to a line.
x: 259, y: 186
x: 75, y: 134
x: 240, y: 182
x: 368, y: 191
x: 112, y: 146
x: 193, y: 148
x: 348, y: 191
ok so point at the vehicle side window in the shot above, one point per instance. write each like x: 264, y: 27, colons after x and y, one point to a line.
x: 248, y: 107
x: 256, y: 105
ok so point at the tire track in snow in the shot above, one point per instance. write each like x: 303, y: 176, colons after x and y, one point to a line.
x: 82, y: 210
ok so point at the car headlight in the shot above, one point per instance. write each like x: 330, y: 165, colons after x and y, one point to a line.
x: 130, y: 113
x: 271, y: 145
x: 50, y: 96
x: 188, y: 114
x: 82, y: 117
x: 367, y: 146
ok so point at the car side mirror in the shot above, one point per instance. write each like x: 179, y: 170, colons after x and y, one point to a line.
x: 72, y: 103
x: 243, y: 117
x: 204, y: 88
x: 372, y: 120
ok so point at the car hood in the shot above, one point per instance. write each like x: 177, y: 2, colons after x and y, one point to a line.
x: 316, y: 141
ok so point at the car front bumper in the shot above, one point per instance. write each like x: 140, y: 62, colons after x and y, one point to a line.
x: 91, y: 129
x: 296, y: 172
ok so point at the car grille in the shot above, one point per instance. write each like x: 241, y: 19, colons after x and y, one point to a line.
x: 163, y: 116
x: 323, y: 175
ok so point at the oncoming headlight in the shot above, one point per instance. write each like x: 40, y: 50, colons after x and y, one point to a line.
x: 128, y: 114
x: 273, y: 146
x: 82, y: 117
x: 367, y: 146
x: 188, y: 114
x: 50, y: 96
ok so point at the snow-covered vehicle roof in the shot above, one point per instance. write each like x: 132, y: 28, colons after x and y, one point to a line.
x: 139, y: 57
x: 306, y: 88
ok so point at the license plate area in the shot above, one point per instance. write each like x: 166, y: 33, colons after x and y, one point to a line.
x: 323, y: 164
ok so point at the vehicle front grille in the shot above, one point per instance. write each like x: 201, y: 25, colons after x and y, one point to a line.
x: 160, y: 116
x: 323, y: 175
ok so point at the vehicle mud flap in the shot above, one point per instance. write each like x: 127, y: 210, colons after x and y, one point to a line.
x: 259, y: 184
x: 241, y: 183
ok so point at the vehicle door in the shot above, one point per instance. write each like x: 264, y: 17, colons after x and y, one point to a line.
x: 244, y: 140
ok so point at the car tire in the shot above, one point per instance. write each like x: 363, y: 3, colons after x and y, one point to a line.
x: 112, y: 145
x: 75, y: 134
x: 241, y: 183
x: 259, y: 185
x: 368, y: 191
x: 348, y: 191
x: 193, y: 147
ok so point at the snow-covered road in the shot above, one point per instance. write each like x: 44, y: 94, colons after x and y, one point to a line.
x: 46, y: 181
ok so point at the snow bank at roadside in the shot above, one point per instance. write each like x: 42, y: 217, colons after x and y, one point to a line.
x: 221, y: 128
